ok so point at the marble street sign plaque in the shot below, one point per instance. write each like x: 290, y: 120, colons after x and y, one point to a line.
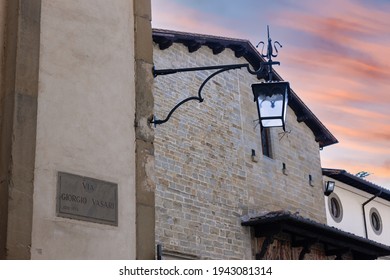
x: 87, y: 199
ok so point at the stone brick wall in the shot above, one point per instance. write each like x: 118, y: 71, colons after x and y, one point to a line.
x: 206, y: 179
x: 18, y: 103
x: 145, y: 212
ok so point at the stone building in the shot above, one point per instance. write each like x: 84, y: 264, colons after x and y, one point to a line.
x: 76, y: 150
x: 224, y: 188
x: 82, y: 175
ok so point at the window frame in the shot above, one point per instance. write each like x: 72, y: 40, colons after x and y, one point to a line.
x: 333, y: 199
x: 374, y: 212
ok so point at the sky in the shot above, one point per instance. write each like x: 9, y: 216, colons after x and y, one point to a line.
x: 336, y: 56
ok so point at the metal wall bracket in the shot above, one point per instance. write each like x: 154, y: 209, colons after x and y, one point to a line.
x: 220, y: 69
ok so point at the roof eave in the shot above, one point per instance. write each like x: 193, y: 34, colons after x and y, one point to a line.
x: 330, y: 236
x: 357, y: 182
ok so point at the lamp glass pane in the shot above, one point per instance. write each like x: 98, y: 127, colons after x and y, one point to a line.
x: 272, y: 102
x: 330, y: 186
x: 272, y: 123
x: 285, y: 105
x: 271, y: 106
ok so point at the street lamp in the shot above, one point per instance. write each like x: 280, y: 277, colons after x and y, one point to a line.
x: 329, y: 187
x: 271, y: 97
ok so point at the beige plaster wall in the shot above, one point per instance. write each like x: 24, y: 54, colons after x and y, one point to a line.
x: 3, y: 187
x: 85, y: 124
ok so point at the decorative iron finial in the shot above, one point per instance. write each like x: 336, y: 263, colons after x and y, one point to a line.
x: 270, y: 54
x: 362, y: 174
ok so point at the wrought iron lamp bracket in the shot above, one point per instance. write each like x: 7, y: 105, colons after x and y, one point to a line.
x: 220, y: 69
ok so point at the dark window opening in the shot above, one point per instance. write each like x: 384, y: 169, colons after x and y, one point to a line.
x: 334, y: 207
x: 376, y: 221
x: 266, y: 142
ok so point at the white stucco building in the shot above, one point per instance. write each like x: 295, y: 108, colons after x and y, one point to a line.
x: 358, y: 206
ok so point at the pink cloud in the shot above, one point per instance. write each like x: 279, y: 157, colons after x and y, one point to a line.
x: 363, y: 139
x: 363, y: 114
x: 379, y: 172
x: 179, y: 17
x: 341, y: 42
x: 340, y: 18
x: 340, y: 67
x: 344, y: 73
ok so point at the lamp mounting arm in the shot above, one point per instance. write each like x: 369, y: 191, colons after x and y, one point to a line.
x: 160, y: 72
x: 220, y: 69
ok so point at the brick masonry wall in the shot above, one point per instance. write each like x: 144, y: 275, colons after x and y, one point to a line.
x: 206, y: 179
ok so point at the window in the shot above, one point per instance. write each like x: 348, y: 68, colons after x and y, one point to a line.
x: 266, y: 142
x: 376, y: 221
x: 335, y: 207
